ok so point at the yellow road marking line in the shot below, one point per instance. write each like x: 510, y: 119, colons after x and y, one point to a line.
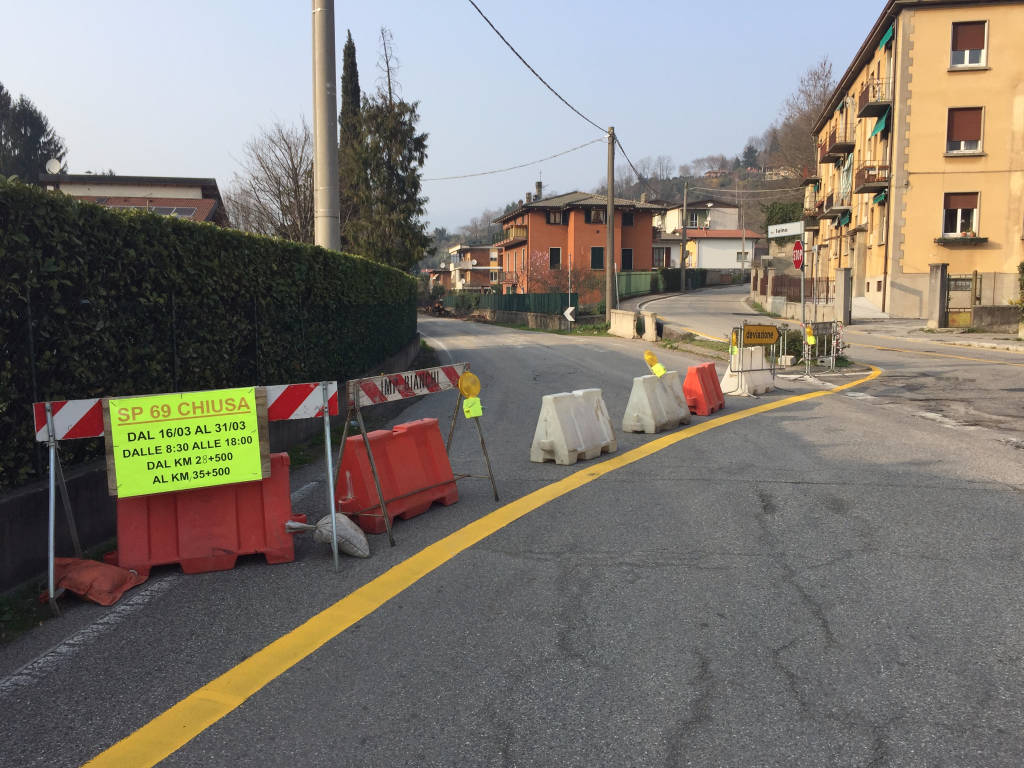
x: 171, y: 730
x: 695, y: 332
x: 938, y: 354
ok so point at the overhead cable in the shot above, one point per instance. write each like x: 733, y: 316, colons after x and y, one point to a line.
x: 521, y: 165
x: 535, y: 73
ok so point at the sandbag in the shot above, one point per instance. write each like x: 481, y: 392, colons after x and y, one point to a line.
x: 99, y: 582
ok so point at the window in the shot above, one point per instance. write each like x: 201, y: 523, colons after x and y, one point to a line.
x: 494, y: 277
x: 969, y: 44
x: 627, y: 259
x: 554, y: 217
x: 742, y: 255
x: 693, y: 220
x: 555, y: 258
x: 963, y: 130
x: 961, y: 214
x: 659, y: 257
x: 627, y: 219
x: 596, y: 257
x: 594, y: 215
x: 878, y: 285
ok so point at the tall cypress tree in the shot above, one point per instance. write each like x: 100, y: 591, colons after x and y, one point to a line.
x: 351, y: 174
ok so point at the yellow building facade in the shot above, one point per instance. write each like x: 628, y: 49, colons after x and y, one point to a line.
x: 921, y: 157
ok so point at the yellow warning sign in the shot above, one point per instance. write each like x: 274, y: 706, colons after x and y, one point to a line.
x: 172, y: 442
x: 755, y: 335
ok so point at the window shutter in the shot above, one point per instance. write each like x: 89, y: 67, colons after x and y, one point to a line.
x: 969, y: 36
x: 965, y: 124
x: 961, y: 200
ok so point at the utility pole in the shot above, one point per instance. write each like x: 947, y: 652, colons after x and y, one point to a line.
x: 326, y: 218
x: 609, y: 257
x: 743, y: 232
x: 682, y: 242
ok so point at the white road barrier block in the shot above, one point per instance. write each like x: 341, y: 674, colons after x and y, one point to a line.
x: 652, y: 407
x: 572, y: 426
x: 673, y: 381
x: 740, y: 379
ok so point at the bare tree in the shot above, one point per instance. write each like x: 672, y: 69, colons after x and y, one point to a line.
x: 274, y: 193
x: 795, y: 143
x: 663, y: 167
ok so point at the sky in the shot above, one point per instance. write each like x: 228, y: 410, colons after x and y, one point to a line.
x: 177, y: 89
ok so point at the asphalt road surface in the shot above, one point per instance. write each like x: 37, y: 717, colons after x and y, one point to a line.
x: 807, y: 578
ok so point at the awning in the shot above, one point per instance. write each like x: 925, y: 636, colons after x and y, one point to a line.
x: 887, y: 36
x: 881, y: 197
x: 880, y: 122
x: 844, y: 219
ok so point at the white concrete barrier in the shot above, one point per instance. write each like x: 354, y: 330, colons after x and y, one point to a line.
x: 741, y: 378
x: 653, y: 405
x: 623, y: 323
x: 650, y: 326
x: 572, y: 426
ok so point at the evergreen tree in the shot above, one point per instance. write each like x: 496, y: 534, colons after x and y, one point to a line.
x: 27, y: 140
x: 351, y: 173
x: 388, y: 222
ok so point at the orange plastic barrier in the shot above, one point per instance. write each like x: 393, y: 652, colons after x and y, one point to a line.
x: 206, y: 529
x: 414, y: 473
x: 702, y: 390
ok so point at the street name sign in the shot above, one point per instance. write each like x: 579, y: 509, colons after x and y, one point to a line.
x: 790, y: 229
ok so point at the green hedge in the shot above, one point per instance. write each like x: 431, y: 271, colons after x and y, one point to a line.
x: 95, y: 302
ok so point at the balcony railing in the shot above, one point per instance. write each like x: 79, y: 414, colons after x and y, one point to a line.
x: 811, y: 218
x: 871, y: 177
x: 835, y: 206
x: 875, y: 97
x: 511, y: 234
x: 841, y: 139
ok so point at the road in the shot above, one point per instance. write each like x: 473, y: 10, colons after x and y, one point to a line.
x: 966, y: 388
x: 807, y: 578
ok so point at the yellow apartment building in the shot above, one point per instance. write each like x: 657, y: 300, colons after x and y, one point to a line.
x: 921, y: 157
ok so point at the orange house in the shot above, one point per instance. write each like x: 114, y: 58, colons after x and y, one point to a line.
x: 547, y: 243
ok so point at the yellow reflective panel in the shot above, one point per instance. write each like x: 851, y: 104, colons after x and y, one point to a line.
x: 472, y: 407
x: 469, y: 384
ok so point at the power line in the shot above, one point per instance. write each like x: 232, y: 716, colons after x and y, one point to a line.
x: 511, y: 48
x: 521, y: 165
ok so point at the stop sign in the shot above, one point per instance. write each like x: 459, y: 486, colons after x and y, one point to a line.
x: 798, y: 254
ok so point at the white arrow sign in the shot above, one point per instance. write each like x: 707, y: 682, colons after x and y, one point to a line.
x: 568, y: 314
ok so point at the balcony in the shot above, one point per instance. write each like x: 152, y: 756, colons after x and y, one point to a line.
x: 514, y: 234
x: 841, y: 140
x: 871, y: 177
x: 835, y: 206
x: 811, y: 218
x: 875, y: 98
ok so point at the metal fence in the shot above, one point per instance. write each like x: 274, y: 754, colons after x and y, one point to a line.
x: 540, y: 303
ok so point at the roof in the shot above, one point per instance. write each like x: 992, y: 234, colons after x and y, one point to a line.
x: 694, y: 204
x: 867, y: 49
x: 209, y: 207
x: 192, y: 208
x: 578, y: 200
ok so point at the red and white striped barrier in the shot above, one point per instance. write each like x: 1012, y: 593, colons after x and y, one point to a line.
x: 301, y: 401
x: 72, y: 419
x: 389, y: 387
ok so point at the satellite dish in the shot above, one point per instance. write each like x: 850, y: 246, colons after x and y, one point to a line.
x: 474, y: 262
x: 53, y: 166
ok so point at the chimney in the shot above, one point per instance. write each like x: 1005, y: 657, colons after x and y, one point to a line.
x: 539, y: 187
x: 643, y: 197
x: 529, y: 197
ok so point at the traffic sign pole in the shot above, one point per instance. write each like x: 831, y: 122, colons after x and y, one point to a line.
x: 803, y: 304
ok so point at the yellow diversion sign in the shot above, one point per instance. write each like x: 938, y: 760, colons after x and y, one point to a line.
x: 754, y: 335
x: 172, y: 442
